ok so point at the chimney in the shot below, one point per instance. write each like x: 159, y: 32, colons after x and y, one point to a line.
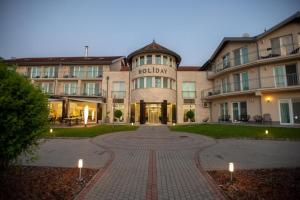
x: 86, y: 51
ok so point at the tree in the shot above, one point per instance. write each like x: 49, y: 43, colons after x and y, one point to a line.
x: 190, y: 114
x: 118, y: 114
x: 23, y: 115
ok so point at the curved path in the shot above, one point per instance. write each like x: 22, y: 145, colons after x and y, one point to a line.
x: 152, y: 163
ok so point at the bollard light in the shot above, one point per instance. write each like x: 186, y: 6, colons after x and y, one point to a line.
x: 80, y: 165
x: 131, y: 123
x: 173, y: 124
x: 85, y: 114
x: 231, y: 169
x: 51, y: 130
x: 267, y: 132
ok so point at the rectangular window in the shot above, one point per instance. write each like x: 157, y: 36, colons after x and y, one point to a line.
x: 70, y: 88
x: 241, y: 81
x: 35, y: 72
x: 49, y: 72
x: 239, y: 110
x: 47, y: 88
x: 149, y: 59
x: 226, y: 61
x: 282, y: 45
x: 118, y: 90
x: 158, y: 59
x: 165, y: 82
x: 171, y: 62
x: 142, y: 60
x: 225, y: 85
x: 149, y: 82
x: 240, y: 56
x: 76, y: 71
x: 165, y: 60
x: 136, y: 62
x: 94, y: 72
x: 286, y: 75
x: 224, y: 112
x: 90, y: 89
x: 141, y: 80
x: 188, y: 90
x: 158, y: 82
x: 136, y: 83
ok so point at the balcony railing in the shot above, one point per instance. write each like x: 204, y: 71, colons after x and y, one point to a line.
x: 118, y: 94
x: 82, y: 75
x: 268, y: 82
x: 252, y: 56
x: 77, y: 75
x: 188, y: 94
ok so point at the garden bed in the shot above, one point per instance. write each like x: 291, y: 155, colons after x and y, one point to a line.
x: 275, y: 184
x: 43, y: 182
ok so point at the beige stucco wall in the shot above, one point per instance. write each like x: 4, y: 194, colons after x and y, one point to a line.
x: 292, y: 28
x: 253, y: 105
x: 115, y: 76
x: 272, y: 107
x: 201, y: 82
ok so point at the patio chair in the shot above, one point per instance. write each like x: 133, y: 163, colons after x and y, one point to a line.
x: 267, y: 118
x: 257, y: 118
x: 244, y: 118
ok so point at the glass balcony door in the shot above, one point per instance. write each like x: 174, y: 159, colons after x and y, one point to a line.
x: 285, y: 109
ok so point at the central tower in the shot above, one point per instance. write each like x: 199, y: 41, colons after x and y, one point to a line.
x: 153, y: 84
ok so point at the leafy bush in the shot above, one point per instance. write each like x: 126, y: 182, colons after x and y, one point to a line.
x: 23, y: 115
x: 118, y: 114
x: 190, y: 114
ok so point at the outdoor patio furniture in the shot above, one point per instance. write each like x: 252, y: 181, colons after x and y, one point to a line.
x: 257, y: 118
x: 244, y: 118
x: 267, y: 118
x: 224, y: 118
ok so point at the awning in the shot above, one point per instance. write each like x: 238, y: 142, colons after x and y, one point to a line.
x: 87, y: 100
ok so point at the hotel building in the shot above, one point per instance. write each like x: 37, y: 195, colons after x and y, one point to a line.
x: 246, y: 79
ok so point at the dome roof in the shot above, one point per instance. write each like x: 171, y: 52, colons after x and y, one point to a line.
x: 154, y: 48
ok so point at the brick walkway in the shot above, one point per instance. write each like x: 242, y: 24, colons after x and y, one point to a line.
x: 152, y: 163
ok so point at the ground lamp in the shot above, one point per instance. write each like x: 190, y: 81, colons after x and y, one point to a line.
x: 85, y: 114
x: 131, y: 123
x: 267, y: 132
x: 80, y: 164
x: 173, y: 124
x: 51, y: 130
x: 231, y: 169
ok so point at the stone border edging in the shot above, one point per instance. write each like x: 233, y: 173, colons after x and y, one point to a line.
x: 99, y: 174
x: 151, y: 193
x: 209, y: 179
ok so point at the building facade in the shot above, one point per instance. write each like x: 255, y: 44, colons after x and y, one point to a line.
x: 246, y: 79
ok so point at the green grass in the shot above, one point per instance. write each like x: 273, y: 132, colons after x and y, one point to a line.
x: 238, y: 131
x: 89, y: 131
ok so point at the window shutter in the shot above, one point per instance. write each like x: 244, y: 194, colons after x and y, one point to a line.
x: 29, y: 72
x: 97, y: 89
x: 71, y: 71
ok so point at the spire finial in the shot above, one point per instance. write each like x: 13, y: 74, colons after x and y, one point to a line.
x: 153, y: 40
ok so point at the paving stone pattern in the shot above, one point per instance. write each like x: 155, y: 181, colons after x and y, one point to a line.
x: 152, y: 163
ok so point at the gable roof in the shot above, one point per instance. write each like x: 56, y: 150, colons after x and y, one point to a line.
x: 226, y: 40
x: 154, y: 48
x: 102, y: 60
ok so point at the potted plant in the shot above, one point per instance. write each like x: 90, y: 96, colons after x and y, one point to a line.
x: 190, y: 115
x: 118, y: 114
x: 107, y: 117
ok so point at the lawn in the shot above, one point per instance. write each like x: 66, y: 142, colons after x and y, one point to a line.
x: 239, y: 131
x: 89, y: 131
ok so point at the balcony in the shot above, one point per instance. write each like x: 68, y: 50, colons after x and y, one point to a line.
x: 93, y: 93
x: 188, y: 94
x: 269, y: 83
x: 253, y: 57
x: 118, y: 94
x: 82, y: 75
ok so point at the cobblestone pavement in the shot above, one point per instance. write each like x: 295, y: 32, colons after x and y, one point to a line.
x: 152, y: 163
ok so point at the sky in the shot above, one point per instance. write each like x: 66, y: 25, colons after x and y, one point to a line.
x: 192, y: 28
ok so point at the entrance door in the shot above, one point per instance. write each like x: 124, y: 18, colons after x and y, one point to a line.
x: 153, y: 112
x: 285, y: 111
x: 296, y: 110
x: 235, y: 111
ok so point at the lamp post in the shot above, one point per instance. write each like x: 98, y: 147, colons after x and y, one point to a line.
x: 231, y: 169
x: 85, y: 114
x: 80, y: 164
